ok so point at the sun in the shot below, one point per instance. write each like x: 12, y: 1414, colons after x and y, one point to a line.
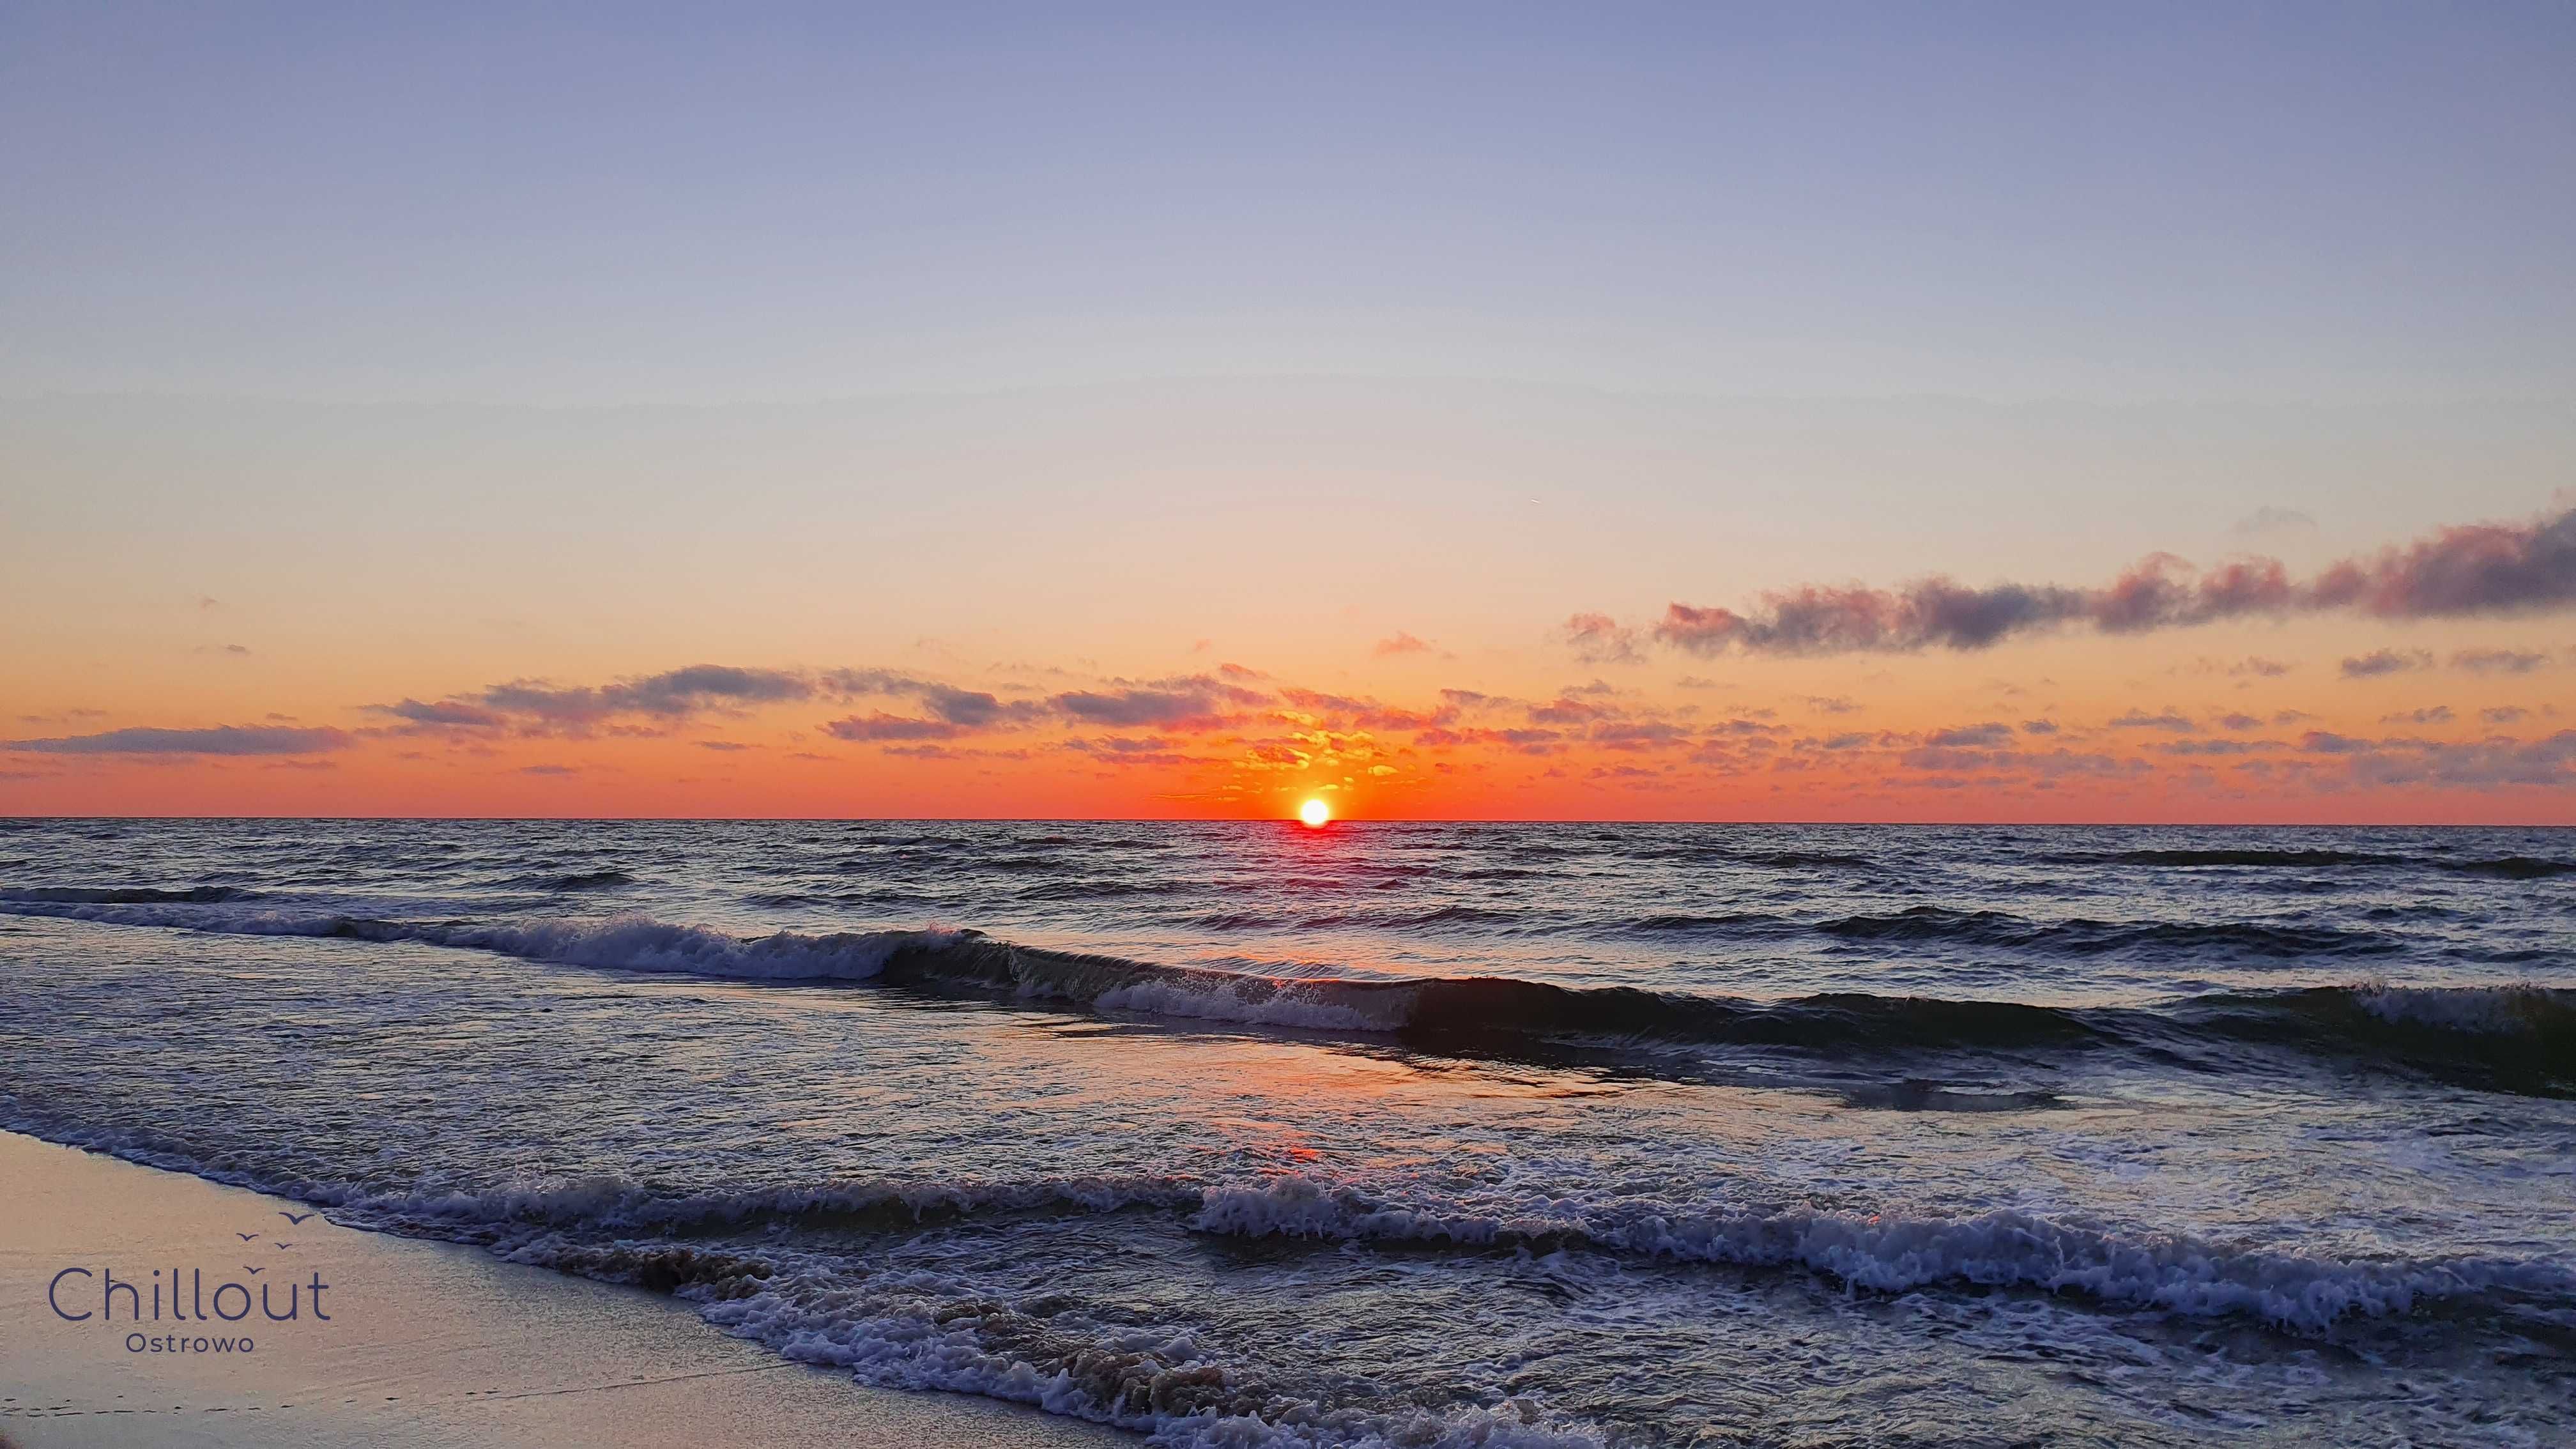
x: 1315, y: 813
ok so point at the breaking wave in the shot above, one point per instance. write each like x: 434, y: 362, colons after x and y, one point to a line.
x: 2512, y: 1038
x: 564, y: 1225
x: 1894, y: 1253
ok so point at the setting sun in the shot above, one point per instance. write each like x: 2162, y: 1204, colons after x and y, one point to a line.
x: 1315, y: 812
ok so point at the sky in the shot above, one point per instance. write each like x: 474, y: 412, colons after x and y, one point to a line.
x: 1741, y: 412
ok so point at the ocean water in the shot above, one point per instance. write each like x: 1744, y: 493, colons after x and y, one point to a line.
x: 1245, y: 1134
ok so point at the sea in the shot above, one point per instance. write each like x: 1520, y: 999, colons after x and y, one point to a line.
x: 1247, y: 1133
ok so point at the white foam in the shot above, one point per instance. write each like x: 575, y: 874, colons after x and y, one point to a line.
x: 1289, y: 1005
x: 2487, y: 1009
x: 1896, y: 1253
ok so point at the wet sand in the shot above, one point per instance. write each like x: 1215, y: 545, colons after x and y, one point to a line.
x: 426, y: 1344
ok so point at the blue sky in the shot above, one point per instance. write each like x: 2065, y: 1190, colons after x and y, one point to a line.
x: 603, y: 204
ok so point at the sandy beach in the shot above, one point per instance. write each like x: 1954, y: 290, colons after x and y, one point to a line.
x: 415, y: 1343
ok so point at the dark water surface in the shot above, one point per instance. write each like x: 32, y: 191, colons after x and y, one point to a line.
x: 1405, y: 1134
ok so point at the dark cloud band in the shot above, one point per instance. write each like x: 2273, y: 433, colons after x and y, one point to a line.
x: 2491, y: 569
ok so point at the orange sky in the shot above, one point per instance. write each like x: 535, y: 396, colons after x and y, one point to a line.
x: 2246, y: 721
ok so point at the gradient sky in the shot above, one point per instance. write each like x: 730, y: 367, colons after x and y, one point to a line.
x: 1180, y: 411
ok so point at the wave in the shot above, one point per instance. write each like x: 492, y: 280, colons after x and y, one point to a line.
x: 1089, y: 890
x: 1896, y: 1253
x: 2510, y: 867
x: 124, y: 895
x: 1762, y: 859
x: 2511, y: 1038
x: 1937, y: 925
x: 1683, y: 924
x: 2082, y: 937
x: 584, y: 880
x: 616, y: 1205
x: 1883, y: 1252
x: 624, y: 943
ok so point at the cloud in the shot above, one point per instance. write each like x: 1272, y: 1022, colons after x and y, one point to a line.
x: 2219, y: 747
x: 2385, y: 661
x: 974, y: 708
x: 1639, y: 735
x: 1932, y: 613
x: 538, y: 706
x: 2168, y: 720
x: 2259, y: 666
x: 2498, y: 661
x: 2485, y: 568
x: 1830, y: 704
x: 2504, y: 714
x: 221, y: 740
x: 2039, y: 726
x: 1984, y: 735
x: 548, y: 770
x: 2269, y: 519
x: 1565, y: 709
x: 2431, y: 714
x: 1191, y: 702
x: 1600, y: 639
x: 650, y: 704
x: 1401, y: 643
x: 2491, y: 569
x: 444, y: 714
x: 671, y: 695
x: 883, y: 727
x: 2473, y: 764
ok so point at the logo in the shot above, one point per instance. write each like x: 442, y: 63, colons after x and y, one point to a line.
x: 193, y: 1308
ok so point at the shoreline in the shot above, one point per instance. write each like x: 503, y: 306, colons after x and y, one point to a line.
x: 418, y: 1344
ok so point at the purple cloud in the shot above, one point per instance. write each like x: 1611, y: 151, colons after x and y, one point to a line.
x: 2498, y: 661
x: 881, y: 727
x: 1980, y: 736
x: 1600, y: 639
x: 221, y: 740
x: 2478, y: 569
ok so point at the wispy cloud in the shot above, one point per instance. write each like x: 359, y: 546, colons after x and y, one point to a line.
x: 2386, y: 661
x: 886, y: 727
x: 2498, y: 661
x: 2167, y: 720
x: 1984, y: 735
x: 1600, y: 639
x: 220, y: 740
x: 2269, y: 520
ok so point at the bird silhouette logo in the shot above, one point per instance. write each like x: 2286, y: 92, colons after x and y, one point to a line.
x: 245, y: 1237
x: 294, y: 1219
